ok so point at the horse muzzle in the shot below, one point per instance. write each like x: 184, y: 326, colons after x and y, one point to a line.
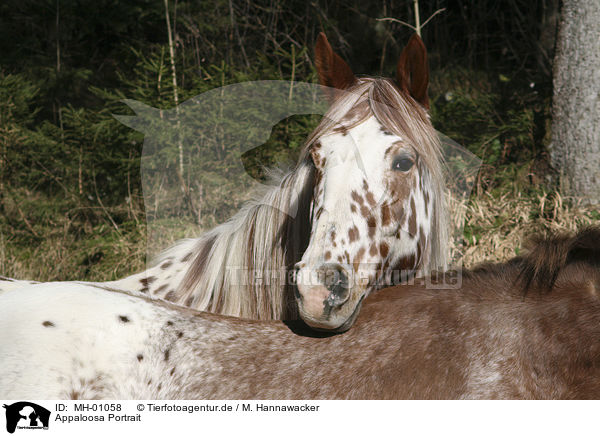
x: 329, y: 302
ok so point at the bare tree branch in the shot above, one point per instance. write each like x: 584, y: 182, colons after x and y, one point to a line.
x: 404, y: 23
x: 439, y: 11
x: 415, y: 28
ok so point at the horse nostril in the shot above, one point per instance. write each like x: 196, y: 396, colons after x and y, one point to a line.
x: 336, y: 282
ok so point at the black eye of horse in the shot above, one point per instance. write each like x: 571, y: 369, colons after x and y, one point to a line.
x: 402, y: 164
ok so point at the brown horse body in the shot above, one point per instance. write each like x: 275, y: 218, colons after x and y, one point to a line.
x: 490, y: 339
x: 528, y: 328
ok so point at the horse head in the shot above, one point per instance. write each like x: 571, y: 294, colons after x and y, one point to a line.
x: 378, y: 201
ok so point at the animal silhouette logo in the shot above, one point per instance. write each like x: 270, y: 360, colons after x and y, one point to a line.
x: 26, y: 415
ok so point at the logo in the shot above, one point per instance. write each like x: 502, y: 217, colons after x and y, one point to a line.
x: 26, y: 415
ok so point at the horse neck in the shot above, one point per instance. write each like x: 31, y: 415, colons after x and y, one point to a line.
x: 241, y: 267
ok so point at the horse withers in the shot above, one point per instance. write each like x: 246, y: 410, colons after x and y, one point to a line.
x: 527, y: 328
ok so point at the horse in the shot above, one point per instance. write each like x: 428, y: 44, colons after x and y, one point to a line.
x: 527, y: 328
x: 369, y: 193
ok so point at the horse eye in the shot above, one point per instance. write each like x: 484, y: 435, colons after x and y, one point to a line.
x: 402, y: 164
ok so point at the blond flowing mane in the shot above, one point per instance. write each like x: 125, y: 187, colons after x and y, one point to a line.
x: 244, y: 267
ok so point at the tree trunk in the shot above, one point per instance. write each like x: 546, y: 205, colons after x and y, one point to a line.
x: 575, y: 147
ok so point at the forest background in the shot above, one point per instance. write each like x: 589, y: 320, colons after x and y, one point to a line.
x: 71, y: 204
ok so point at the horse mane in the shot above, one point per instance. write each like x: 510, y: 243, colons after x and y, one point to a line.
x: 256, y: 249
x: 545, y: 262
x: 547, y: 257
x: 253, y: 250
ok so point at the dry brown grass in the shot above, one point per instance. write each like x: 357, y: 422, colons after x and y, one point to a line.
x: 497, y: 227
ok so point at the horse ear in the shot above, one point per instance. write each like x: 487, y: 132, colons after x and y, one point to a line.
x: 333, y: 71
x: 412, y: 72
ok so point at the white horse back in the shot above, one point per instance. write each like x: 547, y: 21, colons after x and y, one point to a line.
x: 57, y: 340
x: 7, y: 284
